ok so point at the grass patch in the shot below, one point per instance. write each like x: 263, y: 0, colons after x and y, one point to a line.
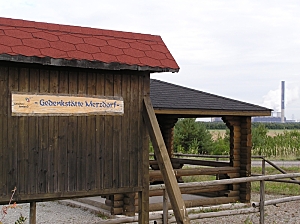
x: 276, y: 187
x: 281, y: 158
x: 271, y: 170
x: 102, y: 216
x: 199, y: 178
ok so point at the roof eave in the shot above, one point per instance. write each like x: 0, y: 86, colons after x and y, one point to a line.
x: 212, y: 113
x: 82, y: 63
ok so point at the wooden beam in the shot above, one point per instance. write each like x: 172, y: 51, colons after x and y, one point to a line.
x: 143, y: 196
x: 198, y: 202
x: 82, y: 63
x: 196, y: 171
x: 164, y: 163
x: 200, y: 162
x: 25, y: 198
x: 209, y: 113
x: 193, y: 162
x: 227, y: 181
x: 193, y: 190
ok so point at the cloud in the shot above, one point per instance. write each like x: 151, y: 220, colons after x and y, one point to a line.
x: 273, y: 98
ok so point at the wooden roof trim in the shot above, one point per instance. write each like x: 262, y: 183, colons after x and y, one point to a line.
x: 81, y: 63
x: 218, y: 113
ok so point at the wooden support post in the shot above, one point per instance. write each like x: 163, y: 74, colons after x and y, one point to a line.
x: 32, y: 218
x: 262, y: 195
x: 218, y: 175
x: 143, y: 196
x: 164, y: 163
x: 144, y: 207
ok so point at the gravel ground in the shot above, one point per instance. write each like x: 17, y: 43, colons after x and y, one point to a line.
x: 282, y: 213
x: 53, y: 212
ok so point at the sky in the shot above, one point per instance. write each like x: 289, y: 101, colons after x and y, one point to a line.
x: 235, y: 48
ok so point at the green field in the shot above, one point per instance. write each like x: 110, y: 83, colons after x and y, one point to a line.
x: 271, y: 132
x: 279, y: 144
x: 216, y: 133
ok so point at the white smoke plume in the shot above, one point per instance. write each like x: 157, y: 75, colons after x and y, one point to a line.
x: 273, y: 99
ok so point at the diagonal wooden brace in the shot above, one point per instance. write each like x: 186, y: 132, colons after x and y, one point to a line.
x: 164, y: 163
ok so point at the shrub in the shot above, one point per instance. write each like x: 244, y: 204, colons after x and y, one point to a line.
x: 192, y: 137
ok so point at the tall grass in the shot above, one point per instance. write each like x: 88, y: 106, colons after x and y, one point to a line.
x: 282, y: 144
x: 286, y: 144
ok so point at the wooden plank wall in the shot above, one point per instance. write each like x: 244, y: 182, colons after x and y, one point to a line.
x: 60, y: 156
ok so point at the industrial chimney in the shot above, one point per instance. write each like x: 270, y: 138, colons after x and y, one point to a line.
x: 282, y: 101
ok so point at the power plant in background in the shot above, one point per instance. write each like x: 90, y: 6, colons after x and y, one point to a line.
x: 276, y: 116
x: 282, y: 102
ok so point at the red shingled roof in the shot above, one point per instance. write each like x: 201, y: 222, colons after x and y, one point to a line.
x: 62, y: 45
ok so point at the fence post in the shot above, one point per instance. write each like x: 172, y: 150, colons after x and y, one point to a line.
x: 217, y: 176
x: 32, y: 215
x: 262, y: 195
x: 165, y: 206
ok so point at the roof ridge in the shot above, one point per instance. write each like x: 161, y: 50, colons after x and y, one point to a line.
x: 10, y: 22
x: 210, y: 94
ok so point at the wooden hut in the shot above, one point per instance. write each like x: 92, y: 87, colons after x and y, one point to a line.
x: 172, y: 102
x: 71, y: 113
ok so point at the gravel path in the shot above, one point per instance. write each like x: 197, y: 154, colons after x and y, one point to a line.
x: 53, y: 212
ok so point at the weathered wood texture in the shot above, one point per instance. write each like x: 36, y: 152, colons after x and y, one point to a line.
x: 156, y: 174
x: 53, y: 157
x: 197, y: 202
x: 166, y: 124
x: 164, y: 163
x: 26, y: 104
x: 143, y: 196
x: 240, y: 150
x: 245, y: 158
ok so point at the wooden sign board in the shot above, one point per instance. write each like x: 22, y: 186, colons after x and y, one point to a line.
x: 26, y: 104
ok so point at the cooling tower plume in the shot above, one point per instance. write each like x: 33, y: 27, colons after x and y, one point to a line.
x: 282, y: 97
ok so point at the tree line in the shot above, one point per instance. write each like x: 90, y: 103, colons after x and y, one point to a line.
x: 278, y: 126
x: 194, y: 137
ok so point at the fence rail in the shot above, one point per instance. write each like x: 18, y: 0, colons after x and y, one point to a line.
x: 257, y: 206
x: 217, y: 157
x: 228, y: 181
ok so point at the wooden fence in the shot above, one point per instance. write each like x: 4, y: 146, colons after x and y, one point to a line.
x: 220, y: 166
x: 165, y: 216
